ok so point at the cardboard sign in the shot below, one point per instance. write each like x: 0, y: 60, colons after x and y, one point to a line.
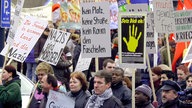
x: 132, y: 35
x: 25, y: 39
x: 150, y: 36
x: 95, y: 31
x: 59, y: 100
x: 54, y: 46
x: 83, y: 63
x: 163, y: 14
x: 183, y: 25
x: 15, y: 22
x: 137, y: 8
x: 188, y: 55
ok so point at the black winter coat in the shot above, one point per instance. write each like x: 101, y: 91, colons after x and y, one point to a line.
x: 81, y: 98
x: 122, y: 93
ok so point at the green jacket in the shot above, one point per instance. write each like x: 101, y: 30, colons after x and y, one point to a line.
x: 10, y: 93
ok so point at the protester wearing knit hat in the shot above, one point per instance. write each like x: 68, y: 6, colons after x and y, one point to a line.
x: 143, y: 95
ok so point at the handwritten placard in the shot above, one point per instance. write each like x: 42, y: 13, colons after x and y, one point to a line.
x: 83, y: 63
x: 163, y: 16
x: 26, y: 37
x: 150, y: 36
x: 183, y: 25
x: 95, y: 30
x: 54, y: 46
x: 137, y: 7
x: 59, y: 100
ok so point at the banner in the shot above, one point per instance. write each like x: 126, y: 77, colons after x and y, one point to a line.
x: 95, y: 31
x: 42, y: 12
x: 26, y: 37
x: 54, y: 46
x: 59, y: 100
x: 132, y: 35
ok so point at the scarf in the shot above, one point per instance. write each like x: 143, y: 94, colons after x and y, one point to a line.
x: 96, y: 101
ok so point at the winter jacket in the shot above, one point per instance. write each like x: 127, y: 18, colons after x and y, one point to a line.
x: 145, y: 105
x: 30, y: 58
x: 39, y: 45
x: 112, y: 102
x: 81, y: 97
x: 171, y: 104
x: 122, y: 93
x: 37, y: 97
x: 10, y: 93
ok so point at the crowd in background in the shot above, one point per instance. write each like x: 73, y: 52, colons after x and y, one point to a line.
x: 110, y: 87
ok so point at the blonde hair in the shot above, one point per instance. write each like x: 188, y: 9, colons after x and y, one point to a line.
x: 46, y: 67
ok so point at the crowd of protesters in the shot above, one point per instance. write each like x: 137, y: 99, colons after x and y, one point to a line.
x: 110, y: 87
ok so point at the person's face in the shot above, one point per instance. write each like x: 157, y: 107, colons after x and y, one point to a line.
x: 163, y: 78
x: 100, y: 85
x: 74, y: 85
x: 117, y: 77
x: 189, y: 82
x: 110, y: 67
x: 168, y: 95
x: 40, y: 74
x: 6, y: 76
x: 140, y: 97
x: 181, y: 75
x: 45, y: 86
x: 155, y: 77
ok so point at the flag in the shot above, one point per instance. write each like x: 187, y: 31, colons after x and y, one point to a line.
x: 179, y: 46
x: 188, y: 4
x: 180, y: 5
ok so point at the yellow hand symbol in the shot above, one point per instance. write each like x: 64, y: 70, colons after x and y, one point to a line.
x: 132, y: 44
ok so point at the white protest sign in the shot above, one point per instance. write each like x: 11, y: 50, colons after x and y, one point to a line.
x: 95, y: 30
x: 26, y: 37
x: 183, y: 25
x: 137, y: 7
x: 41, y: 12
x: 15, y: 22
x: 150, y: 37
x: 163, y: 14
x: 83, y: 63
x: 59, y: 100
x: 54, y: 46
x: 188, y: 55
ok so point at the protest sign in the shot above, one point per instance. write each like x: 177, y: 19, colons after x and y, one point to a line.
x: 70, y: 14
x: 95, y: 31
x: 83, y: 63
x: 132, y: 35
x: 137, y: 7
x: 59, y: 100
x: 188, y: 54
x: 41, y: 12
x: 150, y: 36
x: 183, y: 25
x: 15, y: 22
x: 26, y: 37
x: 54, y: 46
x: 114, y: 15
x: 163, y: 16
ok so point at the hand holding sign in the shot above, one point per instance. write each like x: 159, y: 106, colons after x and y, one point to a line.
x: 132, y: 44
